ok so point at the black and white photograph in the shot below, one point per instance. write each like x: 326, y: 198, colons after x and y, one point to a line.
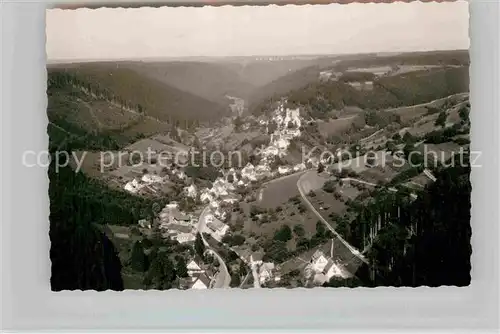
x: 259, y: 147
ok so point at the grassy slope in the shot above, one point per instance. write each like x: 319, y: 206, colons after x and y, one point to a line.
x: 72, y: 121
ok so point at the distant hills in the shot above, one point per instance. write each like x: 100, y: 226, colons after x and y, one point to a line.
x: 303, y: 87
x: 129, y: 99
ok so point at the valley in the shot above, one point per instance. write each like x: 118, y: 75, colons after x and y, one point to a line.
x: 318, y: 178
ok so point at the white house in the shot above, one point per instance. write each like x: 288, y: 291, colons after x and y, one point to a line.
x: 191, y: 191
x: 265, y: 272
x: 201, y: 282
x: 193, y: 268
x: 133, y: 186
x: 179, y: 173
x: 281, y: 143
x: 293, y: 116
x: 283, y: 170
x: 319, y: 261
x: 172, y: 205
x: 229, y: 199
x: 271, y: 151
x: 299, y: 167
x: 206, y: 196
x: 325, y: 75
x: 151, y: 178
x: 323, y: 267
x: 144, y: 223
x: 217, y: 228
x: 185, y: 237
x: 219, y: 187
x: 248, y: 172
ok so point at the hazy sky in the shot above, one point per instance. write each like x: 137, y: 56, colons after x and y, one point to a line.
x: 116, y: 33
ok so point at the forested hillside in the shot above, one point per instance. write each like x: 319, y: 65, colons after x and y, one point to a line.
x: 137, y: 92
x: 211, y: 81
x: 452, y: 57
x: 321, y: 98
x: 415, y: 243
x: 282, y: 86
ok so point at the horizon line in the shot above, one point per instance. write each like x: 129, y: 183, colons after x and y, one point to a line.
x: 305, y: 55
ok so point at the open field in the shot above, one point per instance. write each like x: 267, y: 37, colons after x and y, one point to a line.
x: 415, y: 112
x: 337, y: 126
x: 327, y: 205
x: 441, y: 152
x: 378, y: 174
x: 289, y: 213
x: 278, y: 192
x: 312, y: 181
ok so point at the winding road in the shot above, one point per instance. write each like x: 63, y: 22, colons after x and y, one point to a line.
x: 353, y: 250
x: 464, y: 94
x: 223, y: 279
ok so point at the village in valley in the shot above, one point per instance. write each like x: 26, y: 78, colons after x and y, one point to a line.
x: 212, y: 211
x: 310, y: 186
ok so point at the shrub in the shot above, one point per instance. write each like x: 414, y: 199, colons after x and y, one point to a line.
x: 283, y: 234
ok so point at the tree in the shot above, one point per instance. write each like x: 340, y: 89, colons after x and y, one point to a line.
x: 391, y: 147
x: 408, y: 138
x: 199, y: 246
x: 162, y: 272
x: 320, y: 229
x: 371, y: 159
x: 299, y: 230
x: 464, y: 114
x: 283, y: 234
x: 321, y: 168
x: 235, y: 280
x: 146, y: 243
x: 271, y: 127
x: 181, y: 268
x: 138, y: 259
x: 243, y: 269
x: 441, y: 120
x: 396, y: 137
x: 302, y: 208
x: 237, y: 240
x: 329, y: 186
x: 237, y: 122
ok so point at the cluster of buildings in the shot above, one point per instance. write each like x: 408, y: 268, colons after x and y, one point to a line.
x: 288, y: 123
x: 222, y: 193
x: 263, y: 272
x: 329, y: 75
x: 146, y: 182
x: 220, y: 197
x: 174, y: 224
x: 199, y: 277
x: 361, y: 85
x: 151, y: 183
x: 323, y: 266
